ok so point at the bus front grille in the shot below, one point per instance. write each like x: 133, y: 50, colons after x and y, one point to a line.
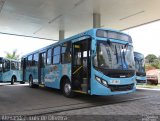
x: 114, y: 88
x: 140, y: 74
x: 141, y: 81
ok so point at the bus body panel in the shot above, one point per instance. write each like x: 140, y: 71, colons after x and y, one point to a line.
x: 52, y: 74
x: 7, y: 76
x: 99, y: 89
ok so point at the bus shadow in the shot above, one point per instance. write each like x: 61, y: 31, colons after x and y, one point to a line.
x: 91, y: 99
x: 9, y: 84
x: 81, y: 98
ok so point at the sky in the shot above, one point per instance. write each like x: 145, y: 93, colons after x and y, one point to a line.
x: 146, y: 40
x: 23, y: 45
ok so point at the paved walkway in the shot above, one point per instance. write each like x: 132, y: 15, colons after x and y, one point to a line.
x: 137, y: 110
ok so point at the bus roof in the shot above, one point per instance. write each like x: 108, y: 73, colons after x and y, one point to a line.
x: 87, y: 33
x: 9, y: 59
x: 138, y: 55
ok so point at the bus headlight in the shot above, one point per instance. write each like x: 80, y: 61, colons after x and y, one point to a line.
x: 98, y: 79
x: 103, y: 82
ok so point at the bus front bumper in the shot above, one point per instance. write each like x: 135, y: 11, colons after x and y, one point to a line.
x: 100, y: 89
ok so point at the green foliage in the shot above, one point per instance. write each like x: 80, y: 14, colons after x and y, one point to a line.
x: 153, y: 62
x: 12, y: 55
x: 149, y: 67
x: 150, y: 58
x: 156, y: 63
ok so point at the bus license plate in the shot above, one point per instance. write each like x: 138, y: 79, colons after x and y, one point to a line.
x: 115, y: 81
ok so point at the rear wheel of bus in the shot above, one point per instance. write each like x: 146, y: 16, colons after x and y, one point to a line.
x: 13, y: 79
x: 67, y: 89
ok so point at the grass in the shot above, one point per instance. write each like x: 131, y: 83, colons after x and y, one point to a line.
x: 149, y: 86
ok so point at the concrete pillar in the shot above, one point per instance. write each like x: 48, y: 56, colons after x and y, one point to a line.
x: 96, y: 20
x: 61, y: 35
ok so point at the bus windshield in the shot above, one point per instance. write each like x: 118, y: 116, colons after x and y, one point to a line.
x: 140, y: 65
x: 114, y: 56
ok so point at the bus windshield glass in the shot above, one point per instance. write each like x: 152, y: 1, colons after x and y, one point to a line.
x: 114, y: 56
x: 140, y: 63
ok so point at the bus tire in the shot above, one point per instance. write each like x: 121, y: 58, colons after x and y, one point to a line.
x: 67, y: 89
x: 13, y: 79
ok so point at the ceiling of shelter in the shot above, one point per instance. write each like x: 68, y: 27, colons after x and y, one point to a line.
x: 44, y: 18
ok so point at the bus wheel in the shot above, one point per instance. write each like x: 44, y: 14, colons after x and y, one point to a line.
x: 13, y: 80
x: 67, y: 89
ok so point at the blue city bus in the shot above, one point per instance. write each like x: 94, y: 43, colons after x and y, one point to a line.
x: 10, y: 71
x: 95, y: 62
x: 140, y: 68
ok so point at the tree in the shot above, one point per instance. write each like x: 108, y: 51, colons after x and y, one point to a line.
x: 156, y: 63
x: 150, y: 58
x: 12, y: 55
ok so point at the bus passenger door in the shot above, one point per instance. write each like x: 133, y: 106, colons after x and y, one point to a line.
x: 41, y: 68
x: 81, y: 66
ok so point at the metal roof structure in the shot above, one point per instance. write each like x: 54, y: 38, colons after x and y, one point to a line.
x: 45, y: 18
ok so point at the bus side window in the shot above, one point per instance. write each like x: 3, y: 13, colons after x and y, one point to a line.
x: 35, y: 59
x: 6, y: 65
x: 49, y: 56
x: 66, y: 52
x: 13, y: 65
x: 56, y: 55
x: 29, y: 61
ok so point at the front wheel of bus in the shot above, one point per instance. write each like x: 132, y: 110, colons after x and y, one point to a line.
x: 67, y: 89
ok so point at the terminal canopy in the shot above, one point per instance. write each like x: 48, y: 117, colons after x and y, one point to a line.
x: 45, y: 18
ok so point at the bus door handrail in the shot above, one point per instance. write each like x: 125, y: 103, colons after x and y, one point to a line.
x: 77, y: 69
